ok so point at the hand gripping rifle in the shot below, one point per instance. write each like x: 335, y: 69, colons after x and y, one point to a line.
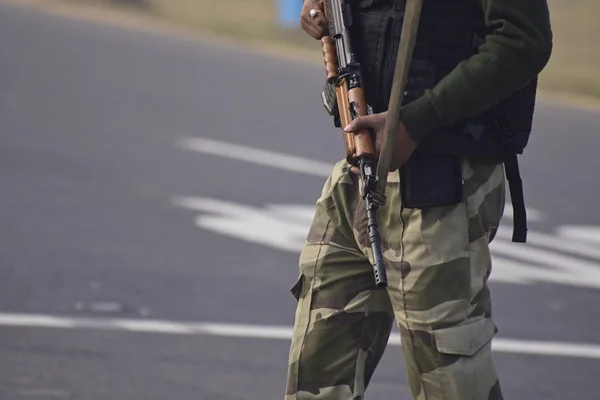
x: 344, y: 99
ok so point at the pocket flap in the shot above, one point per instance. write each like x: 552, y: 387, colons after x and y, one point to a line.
x: 465, y: 339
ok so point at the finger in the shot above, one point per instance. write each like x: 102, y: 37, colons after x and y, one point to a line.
x: 318, y: 21
x: 319, y: 18
x: 312, y: 28
x: 313, y: 31
x: 310, y: 5
x: 359, y: 123
x: 308, y: 22
x: 323, y: 23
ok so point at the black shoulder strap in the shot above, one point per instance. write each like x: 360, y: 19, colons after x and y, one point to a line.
x: 515, y: 184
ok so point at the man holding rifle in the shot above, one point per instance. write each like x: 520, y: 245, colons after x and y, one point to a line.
x: 466, y: 113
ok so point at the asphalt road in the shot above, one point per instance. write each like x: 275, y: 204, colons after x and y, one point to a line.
x: 115, y: 206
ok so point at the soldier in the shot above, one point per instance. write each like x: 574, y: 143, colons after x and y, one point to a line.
x: 466, y: 114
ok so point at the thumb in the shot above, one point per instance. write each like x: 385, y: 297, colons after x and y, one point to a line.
x: 362, y: 122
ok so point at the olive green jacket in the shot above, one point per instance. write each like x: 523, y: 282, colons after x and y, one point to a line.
x: 516, y: 50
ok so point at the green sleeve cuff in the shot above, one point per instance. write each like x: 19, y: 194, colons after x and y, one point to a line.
x: 420, y: 117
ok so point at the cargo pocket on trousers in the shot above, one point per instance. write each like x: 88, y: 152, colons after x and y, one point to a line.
x: 465, y: 339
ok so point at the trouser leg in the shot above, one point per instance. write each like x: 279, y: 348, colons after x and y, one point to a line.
x: 342, y: 322
x: 440, y: 295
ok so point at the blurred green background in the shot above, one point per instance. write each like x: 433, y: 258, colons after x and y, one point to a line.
x: 573, y: 70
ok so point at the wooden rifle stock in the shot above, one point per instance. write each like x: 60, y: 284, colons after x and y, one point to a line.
x: 331, y: 67
x: 351, y: 104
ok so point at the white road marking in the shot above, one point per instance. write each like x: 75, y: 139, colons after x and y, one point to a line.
x: 285, y: 162
x: 563, y: 242
x: 34, y: 321
x: 569, y: 269
x: 533, y: 347
x: 45, y: 393
x: 284, y: 227
x: 278, y: 229
x: 590, y: 234
x: 563, y: 259
x: 536, y: 347
x: 523, y: 273
x: 257, y: 156
x: 570, y: 258
x: 546, y: 348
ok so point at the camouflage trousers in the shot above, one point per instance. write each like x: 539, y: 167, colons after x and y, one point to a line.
x: 438, y: 263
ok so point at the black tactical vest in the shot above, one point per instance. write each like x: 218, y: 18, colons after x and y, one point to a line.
x: 450, y: 31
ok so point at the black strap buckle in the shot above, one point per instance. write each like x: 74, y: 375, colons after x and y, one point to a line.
x: 508, y: 140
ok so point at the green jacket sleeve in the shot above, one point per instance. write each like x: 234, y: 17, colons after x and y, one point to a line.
x: 516, y: 50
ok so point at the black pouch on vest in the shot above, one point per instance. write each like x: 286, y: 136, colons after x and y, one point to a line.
x: 431, y: 180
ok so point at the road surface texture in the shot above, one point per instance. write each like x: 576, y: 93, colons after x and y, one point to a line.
x: 155, y: 195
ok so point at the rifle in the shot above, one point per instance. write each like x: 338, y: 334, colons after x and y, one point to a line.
x: 345, y: 99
